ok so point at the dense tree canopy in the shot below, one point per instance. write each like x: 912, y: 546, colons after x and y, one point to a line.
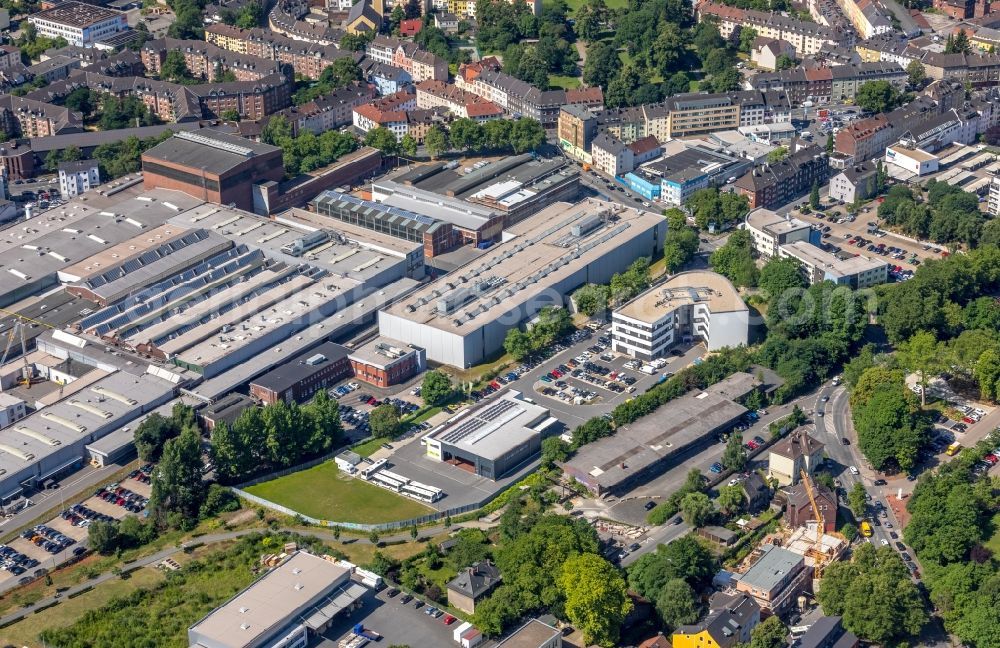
x: 531, y: 561
x: 891, y: 429
x: 596, y: 598
x: 735, y: 260
x: 848, y: 589
x: 436, y: 387
x: 278, y: 435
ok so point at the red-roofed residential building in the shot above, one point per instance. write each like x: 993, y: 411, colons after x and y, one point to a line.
x: 389, y: 112
x: 410, y: 27
x: 864, y: 139
x: 437, y: 94
x: 644, y: 150
x: 592, y: 97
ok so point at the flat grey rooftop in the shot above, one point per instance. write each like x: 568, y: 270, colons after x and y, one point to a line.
x: 228, y: 151
x: 336, y: 327
x: 654, y: 437
x: 460, y: 487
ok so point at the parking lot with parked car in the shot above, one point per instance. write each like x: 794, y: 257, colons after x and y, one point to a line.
x: 581, y: 378
x: 400, y: 618
x: 63, y: 537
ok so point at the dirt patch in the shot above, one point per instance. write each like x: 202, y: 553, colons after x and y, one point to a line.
x: 241, y: 517
x: 898, y: 507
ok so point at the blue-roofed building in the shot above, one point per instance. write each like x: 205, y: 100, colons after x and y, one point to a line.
x: 643, y: 183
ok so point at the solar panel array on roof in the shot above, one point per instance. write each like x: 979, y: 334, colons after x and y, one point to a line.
x: 478, y: 420
x: 187, y: 283
x: 144, y: 259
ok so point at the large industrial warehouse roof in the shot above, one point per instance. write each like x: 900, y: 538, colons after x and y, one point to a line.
x: 354, y: 233
x: 208, y: 150
x: 340, y: 257
x: 695, y: 287
x: 495, y: 426
x: 543, y: 251
x: 108, y: 403
x: 439, y: 207
x: 276, y: 597
x: 501, y: 184
x: 38, y: 249
x: 668, y: 430
x: 333, y: 327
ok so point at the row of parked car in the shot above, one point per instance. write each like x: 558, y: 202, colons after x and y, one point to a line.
x: 343, y: 390
x: 992, y: 458
x: 15, y: 562
x: 358, y: 419
x: 81, y: 516
x: 48, y: 539
x: 143, y: 474
x: 120, y: 496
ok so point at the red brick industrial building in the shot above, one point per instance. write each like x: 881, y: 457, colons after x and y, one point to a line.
x: 303, y: 376
x: 384, y: 362
x: 212, y: 166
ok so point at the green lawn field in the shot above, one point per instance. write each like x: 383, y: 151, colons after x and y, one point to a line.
x: 612, y: 4
x: 323, y: 492
x: 564, y: 82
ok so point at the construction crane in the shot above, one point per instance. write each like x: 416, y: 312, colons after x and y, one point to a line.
x: 18, y: 328
x: 819, y: 555
x: 26, y: 372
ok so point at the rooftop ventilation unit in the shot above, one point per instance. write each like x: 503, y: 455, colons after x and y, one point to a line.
x: 587, y: 225
x: 454, y: 300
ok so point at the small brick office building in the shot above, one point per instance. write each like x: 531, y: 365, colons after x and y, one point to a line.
x: 303, y: 376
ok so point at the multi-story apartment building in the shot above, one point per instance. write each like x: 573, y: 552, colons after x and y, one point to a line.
x: 78, y: 177
x: 775, y: 580
x: 329, y: 111
x: 520, y: 98
x: 696, y: 114
x: 773, y: 185
x: 963, y: 9
x: 388, y: 79
x: 611, y: 155
x: 993, y: 201
x: 889, y: 47
x: 437, y: 94
x: 308, y: 59
x: 389, y: 112
x: 730, y: 620
x: 807, y: 38
x: 864, y: 139
x: 399, y: 114
x: 467, y: 8
x: 10, y: 56
x: 822, y: 84
x: 24, y: 117
x: 769, y: 231
x: 855, y: 183
x: 979, y: 70
x: 576, y: 128
x: 79, y: 23
x: 420, y: 64
x: 207, y: 61
x: 173, y: 102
